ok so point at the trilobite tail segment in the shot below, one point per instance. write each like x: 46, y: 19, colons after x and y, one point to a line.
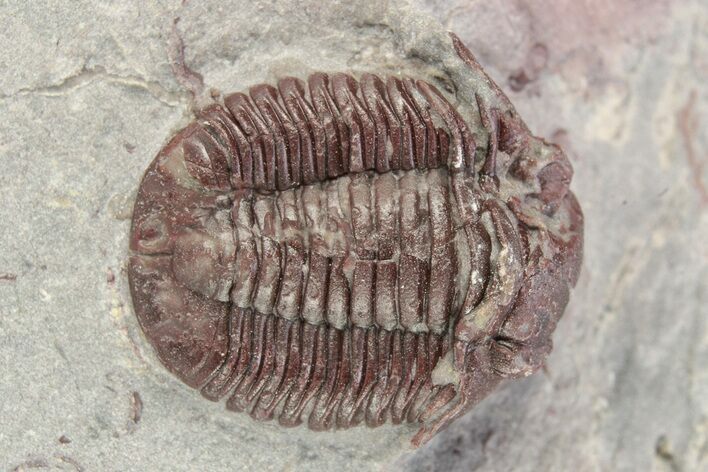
x: 485, y: 318
x: 505, y: 324
x: 524, y: 339
x: 480, y: 320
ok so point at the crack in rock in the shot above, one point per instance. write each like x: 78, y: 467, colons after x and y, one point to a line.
x: 88, y: 76
x: 192, y: 81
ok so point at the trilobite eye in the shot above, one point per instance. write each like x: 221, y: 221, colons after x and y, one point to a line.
x: 153, y: 235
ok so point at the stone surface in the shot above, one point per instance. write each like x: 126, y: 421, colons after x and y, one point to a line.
x: 621, y: 85
x: 90, y: 92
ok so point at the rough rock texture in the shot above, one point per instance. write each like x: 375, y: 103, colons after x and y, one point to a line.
x: 89, y: 92
x: 621, y: 85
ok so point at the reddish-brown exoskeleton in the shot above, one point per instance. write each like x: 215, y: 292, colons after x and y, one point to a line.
x: 344, y: 252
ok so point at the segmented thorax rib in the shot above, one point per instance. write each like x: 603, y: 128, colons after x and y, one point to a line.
x: 316, y: 250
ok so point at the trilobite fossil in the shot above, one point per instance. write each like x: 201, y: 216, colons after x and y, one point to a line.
x: 350, y: 249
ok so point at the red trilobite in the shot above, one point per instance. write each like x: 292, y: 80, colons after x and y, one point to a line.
x: 344, y: 251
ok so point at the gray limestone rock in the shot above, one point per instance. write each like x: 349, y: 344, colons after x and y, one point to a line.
x: 90, y: 91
